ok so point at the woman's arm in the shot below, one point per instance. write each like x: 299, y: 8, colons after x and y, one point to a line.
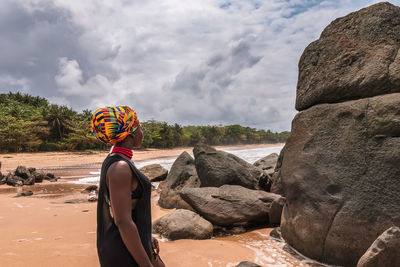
x: 119, y: 183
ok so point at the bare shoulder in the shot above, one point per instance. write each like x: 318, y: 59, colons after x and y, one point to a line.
x: 120, y: 171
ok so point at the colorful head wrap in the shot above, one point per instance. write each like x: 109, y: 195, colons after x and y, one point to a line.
x: 113, y: 124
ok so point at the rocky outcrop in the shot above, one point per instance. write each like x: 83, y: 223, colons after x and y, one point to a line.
x: 27, y: 176
x: 183, y: 224
x: 216, y: 168
x: 356, y: 56
x: 340, y: 168
x: 385, y: 251
x: 154, y: 172
x: 340, y: 177
x: 182, y: 175
x: 231, y: 205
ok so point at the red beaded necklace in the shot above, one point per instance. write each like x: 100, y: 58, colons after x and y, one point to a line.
x: 122, y: 150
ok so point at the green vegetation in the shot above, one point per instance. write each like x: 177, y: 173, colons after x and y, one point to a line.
x: 29, y: 123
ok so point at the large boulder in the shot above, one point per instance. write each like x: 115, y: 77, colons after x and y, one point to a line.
x: 182, y: 174
x: 385, y: 251
x: 231, y: 205
x: 183, y: 224
x: 340, y: 176
x: 356, y: 56
x: 216, y: 168
x: 155, y: 172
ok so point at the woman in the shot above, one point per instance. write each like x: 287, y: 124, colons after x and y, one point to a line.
x: 123, y: 208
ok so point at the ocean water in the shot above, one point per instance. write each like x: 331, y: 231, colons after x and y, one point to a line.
x: 250, y: 155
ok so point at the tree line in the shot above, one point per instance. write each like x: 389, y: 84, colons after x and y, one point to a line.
x: 31, y: 123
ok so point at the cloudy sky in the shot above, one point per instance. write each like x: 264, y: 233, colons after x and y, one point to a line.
x: 191, y: 62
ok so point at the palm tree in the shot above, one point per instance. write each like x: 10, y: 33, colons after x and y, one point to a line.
x: 59, y: 118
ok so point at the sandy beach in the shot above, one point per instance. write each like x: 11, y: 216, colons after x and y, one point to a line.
x: 56, y: 226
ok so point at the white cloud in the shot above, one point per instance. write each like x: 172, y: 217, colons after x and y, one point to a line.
x: 7, y: 81
x: 190, y: 62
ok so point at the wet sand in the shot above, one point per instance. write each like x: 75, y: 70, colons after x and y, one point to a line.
x: 56, y: 227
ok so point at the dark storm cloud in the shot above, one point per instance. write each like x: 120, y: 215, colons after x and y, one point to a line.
x: 32, y: 42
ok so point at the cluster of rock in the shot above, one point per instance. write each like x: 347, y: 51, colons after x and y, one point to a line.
x: 216, y: 189
x: 25, y: 176
x: 340, y: 168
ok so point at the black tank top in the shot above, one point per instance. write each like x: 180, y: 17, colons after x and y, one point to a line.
x: 110, y: 247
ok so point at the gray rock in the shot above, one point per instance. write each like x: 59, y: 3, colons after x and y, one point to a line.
x: 22, y: 172
x: 182, y: 174
x: 25, y: 194
x: 12, y: 179
x: 230, y: 205
x: 276, y: 234
x: 183, y: 224
x: 2, y: 179
x: 275, y: 212
x: 340, y: 176
x: 155, y: 172
x: 268, y: 162
x: 247, y: 264
x: 91, y: 188
x: 385, y: 251
x: 356, y: 56
x: 216, y: 168
x: 39, y: 176
x: 276, y: 185
x: 30, y: 180
x: 49, y: 176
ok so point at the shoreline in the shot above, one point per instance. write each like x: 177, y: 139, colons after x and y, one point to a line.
x: 44, y: 160
x: 57, y: 225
